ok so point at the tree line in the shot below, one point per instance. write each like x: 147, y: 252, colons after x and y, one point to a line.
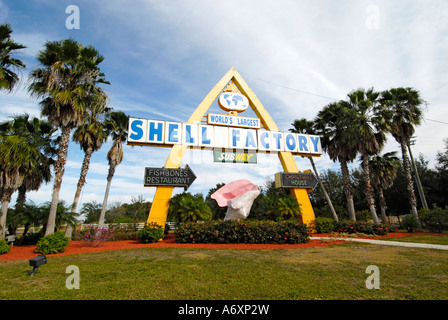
x: 278, y: 204
x: 68, y: 83
x: 358, y: 127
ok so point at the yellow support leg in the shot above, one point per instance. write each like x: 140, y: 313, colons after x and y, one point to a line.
x: 289, y: 165
x: 161, y: 201
x: 305, y: 205
x: 160, y: 205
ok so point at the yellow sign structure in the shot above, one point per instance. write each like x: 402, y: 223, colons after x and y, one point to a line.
x: 160, y: 204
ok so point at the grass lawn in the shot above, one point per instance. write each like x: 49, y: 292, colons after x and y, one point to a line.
x: 334, y: 272
x: 423, y: 238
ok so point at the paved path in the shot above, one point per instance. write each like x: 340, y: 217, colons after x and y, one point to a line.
x: 390, y: 243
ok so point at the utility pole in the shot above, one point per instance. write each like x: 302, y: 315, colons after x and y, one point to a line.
x: 417, y: 177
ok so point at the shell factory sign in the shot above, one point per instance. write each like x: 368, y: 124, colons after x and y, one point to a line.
x: 223, y: 132
x: 167, y: 133
x: 232, y: 137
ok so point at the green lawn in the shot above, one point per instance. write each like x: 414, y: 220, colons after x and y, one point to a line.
x: 423, y: 238
x: 334, y: 272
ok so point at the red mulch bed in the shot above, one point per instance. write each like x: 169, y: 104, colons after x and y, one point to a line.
x: 76, y: 247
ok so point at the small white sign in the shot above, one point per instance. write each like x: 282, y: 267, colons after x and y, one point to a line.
x: 233, y: 121
x: 231, y: 101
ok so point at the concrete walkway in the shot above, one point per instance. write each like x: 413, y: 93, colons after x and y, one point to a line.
x: 389, y: 243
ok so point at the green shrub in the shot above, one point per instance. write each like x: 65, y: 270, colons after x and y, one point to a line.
x: 363, y: 215
x: 124, y: 219
x: 151, y: 233
x: 392, y: 228
x: 324, y: 225
x: 410, y: 223
x: 435, y: 220
x: 52, y: 243
x: 288, y: 231
x: 120, y: 234
x: 4, y: 246
x: 349, y: 227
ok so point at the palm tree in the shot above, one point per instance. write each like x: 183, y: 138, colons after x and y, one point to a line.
x: 30, y: 214
x: 384, y: 170
x: 17, y: 158
x: 307, y: 127
x: 117, y: 126
x: 370, y: 127
x: 8, y: 65
x: 404, y: 112
x: 334, y: 124
x: 64, y: 215
x: 91, y: 211
x: 188, y: 208
x: 90, y: 135
x: 40, y: 133
x: 67, y: 79
x: 288, y: 208
x: 24, y: 160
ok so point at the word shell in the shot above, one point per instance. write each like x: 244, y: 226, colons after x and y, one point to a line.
x: 157, y: 132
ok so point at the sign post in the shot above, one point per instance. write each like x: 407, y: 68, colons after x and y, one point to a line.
x: 156, y: 177
x: 295, y: 180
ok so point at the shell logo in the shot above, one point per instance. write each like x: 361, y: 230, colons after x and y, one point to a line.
x: 231, y: 101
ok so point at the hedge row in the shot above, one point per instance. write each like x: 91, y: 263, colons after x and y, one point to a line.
x: 290, y: 231
x: 361, y: 227
x: 328, y: 225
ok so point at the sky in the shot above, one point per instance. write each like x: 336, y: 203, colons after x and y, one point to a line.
x: 162, y: 57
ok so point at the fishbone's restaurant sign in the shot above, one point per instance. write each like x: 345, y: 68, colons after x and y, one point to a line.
x: 224, y: 135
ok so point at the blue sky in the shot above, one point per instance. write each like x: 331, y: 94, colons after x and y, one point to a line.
x: 163, y: 57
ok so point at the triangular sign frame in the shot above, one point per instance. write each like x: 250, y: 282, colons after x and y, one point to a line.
x: 160, y: 205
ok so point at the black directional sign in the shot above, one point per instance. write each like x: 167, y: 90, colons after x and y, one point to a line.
x: 295, y: 180
x: 155, y: 177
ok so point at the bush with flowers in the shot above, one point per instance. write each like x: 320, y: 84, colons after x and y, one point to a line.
x: 151, y: 233
x: 93, y: 236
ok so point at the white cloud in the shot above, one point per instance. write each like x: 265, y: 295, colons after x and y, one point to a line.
x: 34, y: 42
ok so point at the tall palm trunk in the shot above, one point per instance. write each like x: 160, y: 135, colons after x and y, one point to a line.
x: 368, y: 188
x: 408, y: 177
x: 321, y: 185
x: 6, y: 198
x: 81, y: 182
x: 348, y: 190
x: 21, y: 196
x: 382, y: 204
x: 106, y: 195
x: 59, y: 168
